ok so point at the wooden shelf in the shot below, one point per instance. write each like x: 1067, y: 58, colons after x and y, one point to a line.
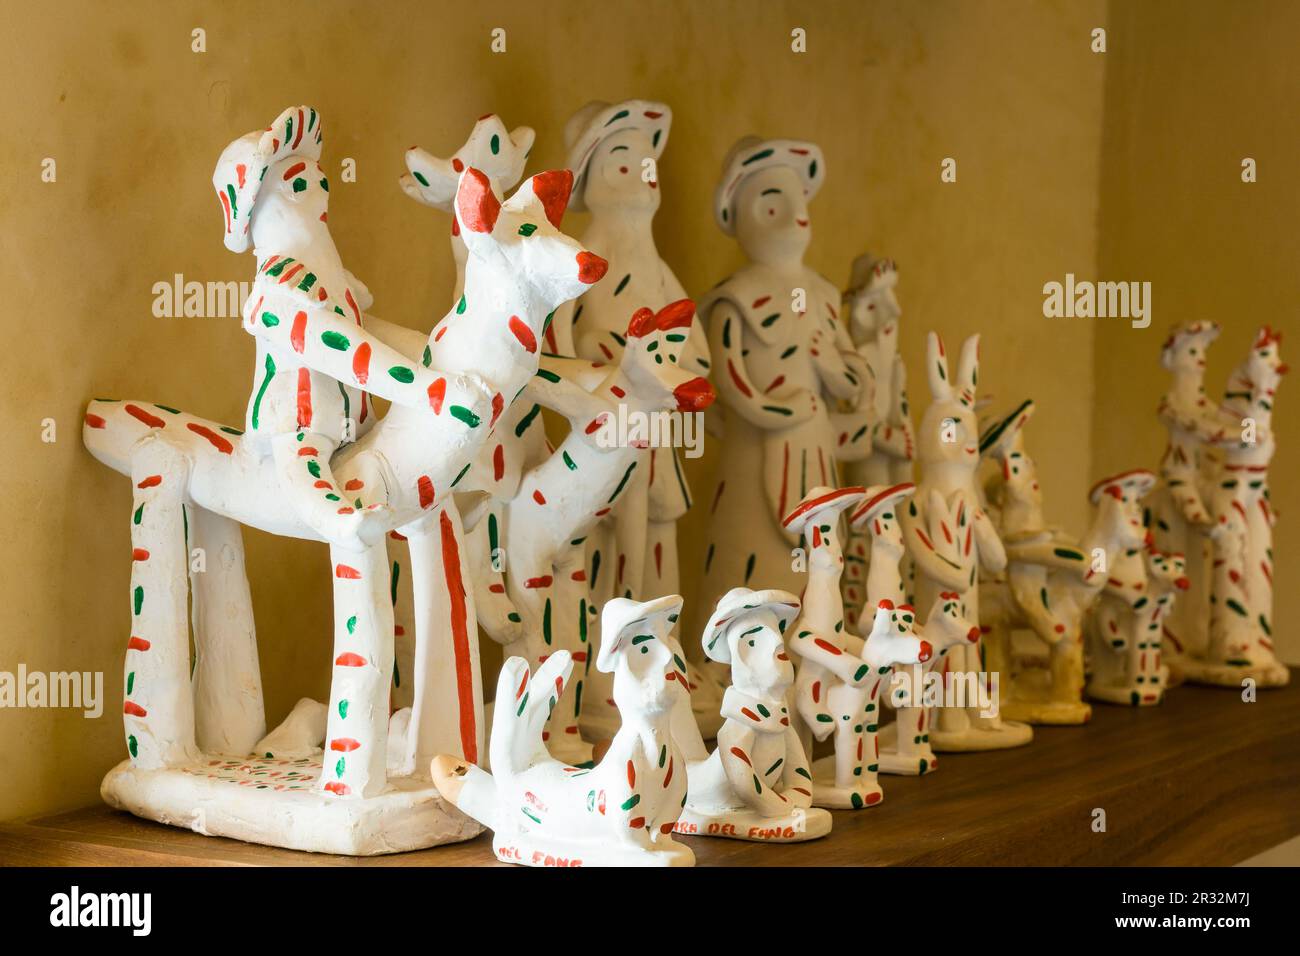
x: 1204, y: 779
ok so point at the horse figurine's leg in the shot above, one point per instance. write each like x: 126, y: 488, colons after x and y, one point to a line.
x: 228, y: 709
x: 446, y: 669
x: 159, y: 704
x: 356, y: 735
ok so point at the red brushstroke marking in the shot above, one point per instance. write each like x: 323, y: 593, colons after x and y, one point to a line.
x: 134, y: 709
x: 460, y: 639
x: 293, y: 171
x: 304, y: 397
x: 139, y: 554
x: 738, y: 381
x: 538, y: 497
x: 152, y: 481
x: 344, y: 744
x: 337, y: 788
x: 307, y: 451
x: 347, y: 573
x: 523, y: 333
x: 437, y: 392
x: 543, y: 582
x: 217, y: 441
x: 94, y: 421
x: 353, y: 484
x: 298, y: 334
x: 138, y: 644
x: 349, y: 660
x: 498, y: 463
x: 424, y: 486
x: 153, y: 421
x: 361, y: 363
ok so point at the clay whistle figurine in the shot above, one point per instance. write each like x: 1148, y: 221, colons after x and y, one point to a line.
x: 622, y: 811
x: 756, y: 785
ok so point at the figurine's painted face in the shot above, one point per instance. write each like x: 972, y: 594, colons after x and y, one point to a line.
x: 617, y: 174
x: 772, y: 220
x: 877, y: 305
x: 1187, y: 354
x: 759, y: 663
x: 1121, y: 513
x: 1168, y: 570
x: 641, y: 681
x: 292, y: 205
x: 1266, y: 365
x: 821, y: 539
x: 521, y: 237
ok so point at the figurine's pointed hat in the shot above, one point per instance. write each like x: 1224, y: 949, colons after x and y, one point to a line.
x: 751, y: 154
x: 597, y: 120
x: 243, y: 164
x: 624, y: 621
x: 496, y: 151
x: 735, y: 606
x: 821, y: 505
x: 999, y: 437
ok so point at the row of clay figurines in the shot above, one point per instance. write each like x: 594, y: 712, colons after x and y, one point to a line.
x: 458, y: 474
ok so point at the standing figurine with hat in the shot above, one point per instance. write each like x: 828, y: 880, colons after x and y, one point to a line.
x: 880, y: 414
x: 1181, y: 519
x: 614, y: 151
x: 780, y: 352
x: 756, y: 785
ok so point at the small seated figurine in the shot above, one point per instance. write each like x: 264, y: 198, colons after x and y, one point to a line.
x: 756, y: 785
x: 620, y: 812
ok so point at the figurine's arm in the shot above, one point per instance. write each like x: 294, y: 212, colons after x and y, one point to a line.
x: 343, y: 350
x: 409, y: 342
x: 734, y: 745
x: 816, y: 649
x: 796, y: 778
x: 832, y: 368
x: 929, y: 562
x: 738, y: 392
x: 563, y: 395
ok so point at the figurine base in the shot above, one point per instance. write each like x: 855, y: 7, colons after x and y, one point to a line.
x: 275, y: 802
x: 527, y: 849
x: 1030, y: 701
x: 975, y: 738
x: 827, y: 794
x: 1126, y: 697
x: 1194, y: 671
x: 903, y: 764
x: 795, y: 827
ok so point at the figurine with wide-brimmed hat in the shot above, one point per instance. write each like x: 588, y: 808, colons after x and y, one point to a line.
x: 783, y: 361
x: 757, y: 784
x: 614, y: 150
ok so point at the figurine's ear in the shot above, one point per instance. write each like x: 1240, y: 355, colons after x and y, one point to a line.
x: 477, y: 206
x: 968, y: 367
x: 643, y: 323
x: 675, y: 315
x: 429, y: 180
x: 552, y: 189
x: 936, y: 365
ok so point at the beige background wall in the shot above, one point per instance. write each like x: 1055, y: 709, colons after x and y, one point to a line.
x: 1045, y: 141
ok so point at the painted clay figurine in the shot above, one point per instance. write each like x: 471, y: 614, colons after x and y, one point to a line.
x: 1125, y: 629
x: 781, y: 357
x: 756, y: 785
x: 614, y: 151
x: 194, y: 474
x: 873, y: 312
x: 950, y: 538
x: 562, y: 500
x: 1181, y: 520
x: 622, y: 811
x: 1240, y: 643
x: 903, y: 747
x: 1049, y: 585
